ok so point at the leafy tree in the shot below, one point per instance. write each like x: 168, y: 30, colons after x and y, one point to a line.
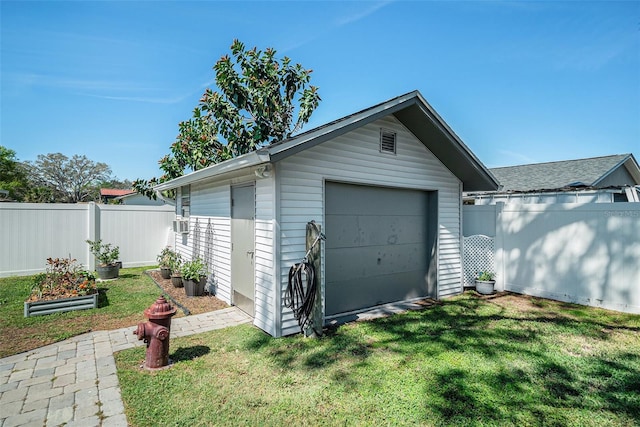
x: 13, y: 177
x: 72, y: 180
x: 116, y: 183
x: 255, y: 106
x: 39, y: 194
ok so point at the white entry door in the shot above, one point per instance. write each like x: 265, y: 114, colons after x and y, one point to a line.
x: 243, y: 247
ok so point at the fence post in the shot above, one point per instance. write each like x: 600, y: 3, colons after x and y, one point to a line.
x: 499, y: 248
x: 93, y: 233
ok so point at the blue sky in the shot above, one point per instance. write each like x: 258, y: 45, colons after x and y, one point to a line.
x: 519, y: 82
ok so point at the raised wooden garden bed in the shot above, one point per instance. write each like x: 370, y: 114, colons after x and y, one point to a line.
x: 39, y: 308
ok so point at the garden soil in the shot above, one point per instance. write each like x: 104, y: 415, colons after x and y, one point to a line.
x: 192, y: 305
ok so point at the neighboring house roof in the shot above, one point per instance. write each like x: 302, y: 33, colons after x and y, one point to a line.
x: 591, y: 172
x: 135, y: 198
x: 129, y: 195
x: 411, y: 109
x: 114, y: 192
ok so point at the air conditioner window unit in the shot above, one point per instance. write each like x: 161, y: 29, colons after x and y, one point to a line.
x: 181, y: 226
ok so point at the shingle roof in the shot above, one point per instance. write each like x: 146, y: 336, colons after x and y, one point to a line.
x: 556, y: 175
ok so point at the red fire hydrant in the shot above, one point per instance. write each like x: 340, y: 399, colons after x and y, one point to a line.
x: 155, y: 333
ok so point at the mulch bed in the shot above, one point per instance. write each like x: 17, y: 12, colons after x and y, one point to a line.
x: 185, y: 304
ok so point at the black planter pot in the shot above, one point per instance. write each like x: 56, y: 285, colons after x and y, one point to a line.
x: 165, y: 272
x: 176, y: 281
x: 106, y: 272
x: 194, y: 289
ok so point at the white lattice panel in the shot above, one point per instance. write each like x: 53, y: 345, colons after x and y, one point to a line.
x: 477, y: 255
x: 196, y: 241
x: 209, y: 242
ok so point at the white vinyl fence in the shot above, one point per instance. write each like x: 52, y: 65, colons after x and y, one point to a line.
x: 583, y: 253
x: 33, y: 232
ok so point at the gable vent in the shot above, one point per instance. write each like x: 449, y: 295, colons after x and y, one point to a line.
x: 387, y: 141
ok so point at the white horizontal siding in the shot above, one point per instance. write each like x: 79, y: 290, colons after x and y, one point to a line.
x: 212, y: 200
x: 264, y: 303
x: 355, y: 158
x: 210, y: 238
x: 210, y: 235
x: 449, y: 244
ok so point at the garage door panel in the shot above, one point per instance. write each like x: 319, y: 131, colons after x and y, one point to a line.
x: 371, y: 261
x: 348, y: 295
x: 356, y: 230
x: 382, y: 201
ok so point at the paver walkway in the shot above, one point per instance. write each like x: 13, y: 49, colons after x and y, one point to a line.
x: 74, y: 382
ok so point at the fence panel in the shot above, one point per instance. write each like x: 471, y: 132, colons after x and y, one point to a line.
x: 479, y: 219
x: 583, y: 253
x: 140, y: 231
x: 33, y: 232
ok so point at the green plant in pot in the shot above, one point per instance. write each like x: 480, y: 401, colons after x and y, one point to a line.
x: 485, y: 282
x: 166, y: 259
x: 106, y: 254
x: 176, y: 271
x: 194, y: 277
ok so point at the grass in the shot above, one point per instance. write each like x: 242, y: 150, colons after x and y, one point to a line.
x: 506, y: 360
x: 121, y: 304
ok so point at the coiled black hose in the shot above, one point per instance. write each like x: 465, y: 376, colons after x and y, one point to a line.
x: 300, y: 298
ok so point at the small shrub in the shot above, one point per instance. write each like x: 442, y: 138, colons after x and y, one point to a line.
x: 106, y: 253
x: 486, y: 276
x: 63, y: 278
x: 168, y: 258
x: 194, y: 270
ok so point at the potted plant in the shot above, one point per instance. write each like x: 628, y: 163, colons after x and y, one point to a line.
x: 165, y: 260
x: 176, y: 271
x: 106, y: 254
x: 485, y: 283
x: 194, y: 276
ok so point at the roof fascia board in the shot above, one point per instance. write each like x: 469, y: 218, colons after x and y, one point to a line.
x: 253, y: 158
x: 633, y: 168
x: 457, y: 142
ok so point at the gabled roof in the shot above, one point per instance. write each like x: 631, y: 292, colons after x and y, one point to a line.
x: 569, y: 173
x: 411, y: 109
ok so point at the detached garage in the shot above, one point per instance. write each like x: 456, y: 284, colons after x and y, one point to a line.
x: 384, y: 184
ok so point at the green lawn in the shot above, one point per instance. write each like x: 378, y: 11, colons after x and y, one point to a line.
x: 505, y: 360
x: 121, y: 304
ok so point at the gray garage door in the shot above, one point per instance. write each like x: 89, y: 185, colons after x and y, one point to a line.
x: 378, y: 246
